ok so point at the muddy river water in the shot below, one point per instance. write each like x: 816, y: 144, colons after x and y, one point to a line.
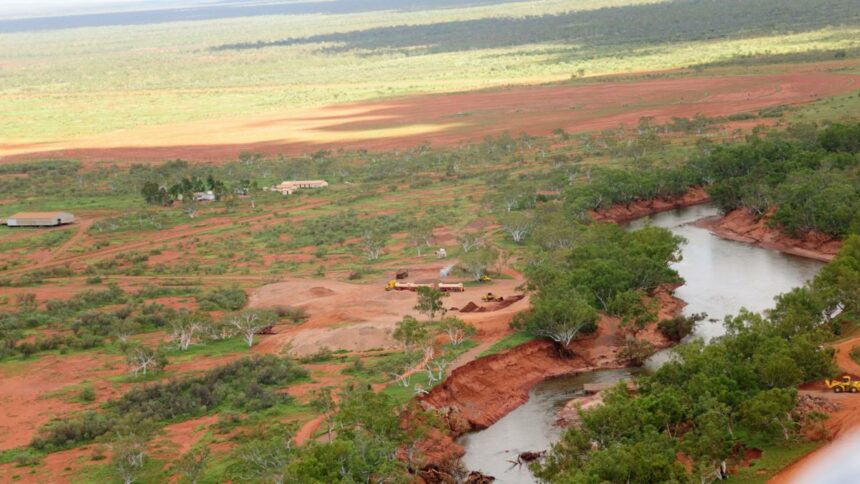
x: 721, y: 277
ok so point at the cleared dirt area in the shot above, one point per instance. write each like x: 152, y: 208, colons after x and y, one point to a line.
x: 361, y: 316
x: 450, y: 118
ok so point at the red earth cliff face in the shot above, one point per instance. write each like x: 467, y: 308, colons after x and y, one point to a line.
x: 644, y: 208
x: 742, y: 226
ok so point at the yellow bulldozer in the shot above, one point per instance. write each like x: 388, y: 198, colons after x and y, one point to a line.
x: 490, y: 297
x: 846, y: 384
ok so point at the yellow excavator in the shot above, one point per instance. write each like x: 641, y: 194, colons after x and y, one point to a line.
x: 846, y: 384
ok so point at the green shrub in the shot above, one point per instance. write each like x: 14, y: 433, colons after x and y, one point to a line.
x: 222, y: 298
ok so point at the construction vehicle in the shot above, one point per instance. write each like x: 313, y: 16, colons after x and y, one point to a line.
x: 450, y: 287
x: 394, y: 285
x: 490, y: 297
x: 485, y: 278
x: 846, y: 384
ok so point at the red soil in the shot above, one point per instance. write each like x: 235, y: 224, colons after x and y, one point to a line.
x: 25, y: 402
x: 453, y: 118
x: 742, y: 226
x: 644, y: 208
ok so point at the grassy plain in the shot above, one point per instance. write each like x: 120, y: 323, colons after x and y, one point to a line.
x: 78, y: 84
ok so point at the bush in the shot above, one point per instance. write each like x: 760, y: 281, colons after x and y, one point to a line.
x: 223, y: 298
x: 679, y: 327
x: 244, y: 384
x: 294, y: 315
x: 69, y: 431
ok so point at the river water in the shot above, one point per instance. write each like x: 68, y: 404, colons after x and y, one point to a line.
x: 721, y: 276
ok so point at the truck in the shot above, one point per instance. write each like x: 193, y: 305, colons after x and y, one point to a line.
x: 395, y: 285
x: 846, y: 384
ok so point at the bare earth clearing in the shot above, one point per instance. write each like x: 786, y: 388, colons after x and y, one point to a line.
x: 445, y: 119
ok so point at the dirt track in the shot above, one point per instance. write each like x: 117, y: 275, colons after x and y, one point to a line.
x: 446, y: 119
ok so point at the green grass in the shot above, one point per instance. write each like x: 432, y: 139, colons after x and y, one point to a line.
x: 507, y: 343
x: 774, y: 458
x: 209, y: 349
x: 169, y: 75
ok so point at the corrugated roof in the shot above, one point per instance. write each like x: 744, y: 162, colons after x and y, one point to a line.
x: 39, y: 215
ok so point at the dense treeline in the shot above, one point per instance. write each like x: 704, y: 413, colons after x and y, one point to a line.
x: 808, y: 178
x: 675, y: 21
x: 737, y: 391
x: 607, y: 269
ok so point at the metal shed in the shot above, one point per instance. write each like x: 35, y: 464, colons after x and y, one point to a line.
x: 39, y: 219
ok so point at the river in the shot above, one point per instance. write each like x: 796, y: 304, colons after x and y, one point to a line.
x: 721, y: 276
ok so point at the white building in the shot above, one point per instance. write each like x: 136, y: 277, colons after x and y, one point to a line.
x: 39, y: 219
x: 289, y: 187
x: 208, y: 196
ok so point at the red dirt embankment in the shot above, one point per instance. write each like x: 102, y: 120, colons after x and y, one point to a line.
x: 743, y: 226
x: 479, y: 393
x: 644, y: 208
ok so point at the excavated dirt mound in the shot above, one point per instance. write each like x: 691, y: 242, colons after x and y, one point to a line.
x: 471, y: 308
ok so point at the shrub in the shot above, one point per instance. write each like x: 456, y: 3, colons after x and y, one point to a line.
x: 223, y: 298
x: 294, y: 315
x: 679, y: 327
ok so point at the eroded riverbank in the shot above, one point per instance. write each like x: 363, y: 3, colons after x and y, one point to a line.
x: 721, y: 277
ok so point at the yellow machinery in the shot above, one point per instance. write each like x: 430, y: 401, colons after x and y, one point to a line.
x: 846, y: 384
x: 490, y: 297
x: 485, y: 278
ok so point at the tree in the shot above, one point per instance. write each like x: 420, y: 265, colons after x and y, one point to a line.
x: 192, y: 464
x: 324, y: 403
x: 250, y: 321
x: 476, y: 262
x: 154, y: 194
x: 410, y: 332
x: 265, y: 459
x: 421, y: 236
x: 129, y: 447
x: 456, y: 329
x: 471, y: 240
x: 635, y: 351
x: 143, y: 360
x: 185, y: 326
x: 124, y: 328
x: 373, y: 242
x: 770, y: 411
x: 430, y: 301
x: 557, y: 315
x: 518, y: 225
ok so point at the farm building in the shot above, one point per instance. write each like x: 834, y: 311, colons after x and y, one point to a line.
x: 289, y: 187
x: 208, y: 196
x: 39, y: 219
